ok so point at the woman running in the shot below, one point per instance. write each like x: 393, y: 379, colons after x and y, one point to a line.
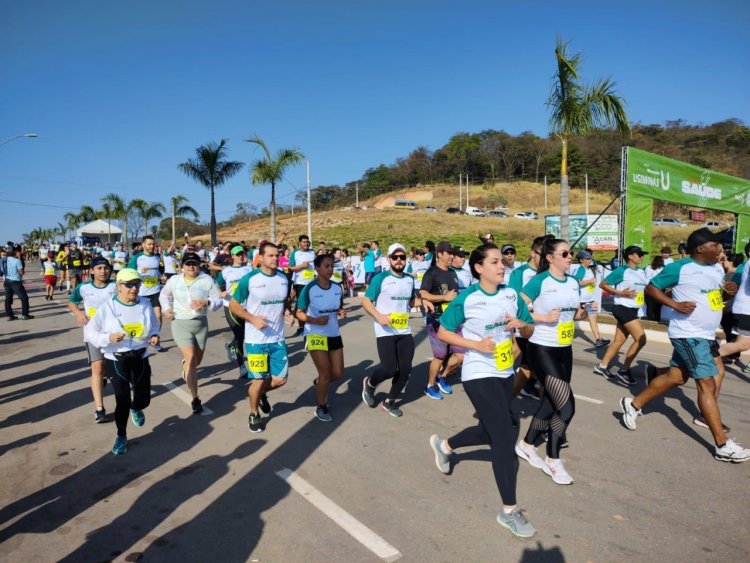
x: 589, y: 276
x: 51, y: 270
x: 488, y: 315
x: 185, y: 299
x: 554, y: 301
x: 227, y: 281
x: 122, y: 329
x: 319, y: 306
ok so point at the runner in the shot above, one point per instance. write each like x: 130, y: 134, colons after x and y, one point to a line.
x: 554, y: 300
x: 93, y: 295
x: 227, y: 281
x: 627, y: 283
x: 301, y: 264
x: 122, y: 329
x: 75, y: 266
x: 120, y: 257
x: 509, y: 261
x: 417, y: 270
x: 50, y: 270
x: 170, y: 261
x: 388, y: 301
x: 319, y: 306
x: 741, y: 312
x: 62, y: 262
x: 185, y: 300
x: 148, y: 266
x: 439, y: 288
x: 488, y: 314
x: 589, y: 276
x: 260, y: 299
x: 338, y: 267
x: 108, y: 253
x: 13, y: 285
x: 696, y: 284
x: 458, y: 261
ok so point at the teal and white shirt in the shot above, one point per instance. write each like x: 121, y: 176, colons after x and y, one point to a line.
x: 137, y: 321
x: 302, y: 277
x: 547, y: 293
x: 229, y: 277
x: 338, y: 271
x: 624, y: 278
x: 263, y: 296
x: 317, y: 302
x: 120, y: 258
x: 520, y: 277
x: 179, y: 292
x: 741, y: 301
x: 701, y: 284
x: 509, y: 271
x: 170, y: 263
x: 480, y: 314
x: 92, y: 296
x: 464, y: 278
x: 392, y: 295
x: 417, y: 268
x: 147, y: 266
x: 582, y: 273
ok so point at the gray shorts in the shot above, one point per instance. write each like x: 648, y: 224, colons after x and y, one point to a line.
x: 95, y: 355
x: 190, y: 332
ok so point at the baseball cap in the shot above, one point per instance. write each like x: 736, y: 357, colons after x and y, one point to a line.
x: 444, y: 246
x: 126, y: 275
x: 97, y: 260
x: 508, y: 248
x: 458, y: 251
x: 633, y: 249
x: 394, y: 247
x: 237, y: 250
x: 191, y: 257
x: 584, y: 255
x: 701, y: 236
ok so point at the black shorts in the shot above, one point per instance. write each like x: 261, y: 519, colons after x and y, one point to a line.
x: 522, y: 344
x: 334, y: 343
x: 624, y: 314
x: 154, y: 299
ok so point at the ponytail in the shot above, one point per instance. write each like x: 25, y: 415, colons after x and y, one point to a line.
x: 549, y: 246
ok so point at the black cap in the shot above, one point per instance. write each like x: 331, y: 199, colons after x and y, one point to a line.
x: 191, y: 257
x: 444, y: 246
x: 633, y: 249
x: 97, y: 260
x: 458, y: 251
x: 701, y: 236
x: 507, y: 248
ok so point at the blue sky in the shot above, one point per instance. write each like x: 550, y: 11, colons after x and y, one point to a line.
x: 121, y: 92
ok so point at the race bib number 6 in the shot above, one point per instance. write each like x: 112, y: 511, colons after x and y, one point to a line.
x: 399, y: 320
x: 504, y: 355
x: 715, y: 301
x: 565, y: 332
x: 134, y: 330
x: 257, y: 363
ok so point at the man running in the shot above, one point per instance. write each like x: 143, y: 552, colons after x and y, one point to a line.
x: 120, y: 257
x: 696, y: 285
x: 93, y: 295
x: 509, y: 261
x: 75, y: 266
x: 301, y: 264
x: 260, y: 299
x: 13, y: 284
x: 148, y: 266
x: 227, y: 280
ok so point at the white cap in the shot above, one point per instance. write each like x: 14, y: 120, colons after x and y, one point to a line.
x: 394, y: 247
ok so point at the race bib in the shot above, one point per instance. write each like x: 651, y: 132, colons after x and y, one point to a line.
x: 640, y: 299
x: 444, y: 306
x: 119, y: 263
x: 233, y: 286
x: 76, y: 262
x: 133, y: 330
x: 420, y: 275
x: 308, y: 275
x: 591, y: 288
x: 399, y: 321
x: 90, y: 312
x: 317, y: 342
x: 49, y: 272
x: 565, y: 332
x: 504, y: 355
x: 337, y: 277
x: 714, y: 300
x: 150, y: 281
x: 257, y: 363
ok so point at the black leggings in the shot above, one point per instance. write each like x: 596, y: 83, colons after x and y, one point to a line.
x: 135, y: 372
x: 238, y: 329
x: 396, y: 354
x: 553, y: 367
x: 491, y: 397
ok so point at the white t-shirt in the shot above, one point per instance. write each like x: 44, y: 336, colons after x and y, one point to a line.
x: 391, y: 295
x: 316, y: 302
x: 418, y: 268
x: 302, y: 277
x: 741, y: 303
x: 147, y: 266
x: 547, y: 293
x: 92, y: 296
x: 229, y: 277
x: 263, y: 296
x: 624, y: 278
x: 137, y: 321
x: 509, y: 271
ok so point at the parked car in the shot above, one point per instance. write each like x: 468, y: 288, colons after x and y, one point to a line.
x: 405, y: 204
x: 430, y: 208
x: 712, y: 225
x: 496, y: 213
x: 529, y: 215
x: 474, y: 211
x: 454, y: 211
x: 669, y: 222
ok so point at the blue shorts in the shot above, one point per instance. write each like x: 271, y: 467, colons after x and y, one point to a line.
x: 273, y: 355
x: 695, y: 356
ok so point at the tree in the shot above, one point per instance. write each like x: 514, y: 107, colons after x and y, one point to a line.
x: 119, y: 210
x: 211, y: 169
x: 154, y: 210
x: 270, y: 170
x: 576, y: 109
x: 180, y: 208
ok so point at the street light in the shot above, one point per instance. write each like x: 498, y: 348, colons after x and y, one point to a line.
x: 27, y: 135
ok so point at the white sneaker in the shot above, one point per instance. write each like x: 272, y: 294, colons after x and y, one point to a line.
x: 629, y: 413
x: 528, y: 452
x: 555, y: 468
x: 732, y: 452
x: 230, y: 352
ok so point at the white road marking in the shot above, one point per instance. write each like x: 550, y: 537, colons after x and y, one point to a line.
x: 186, y: 397
x: 588, y: 399
x: 349, y: 523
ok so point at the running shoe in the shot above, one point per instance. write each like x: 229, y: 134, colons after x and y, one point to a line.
x: 700, y: 421
x: 139, y: 419
x: 243, y: 371
x: 100, y: 415
x: 121, y: 445
x: 444, y: 387
x: 315, y: 383
x: 433, y: 393
x: 516, y: 522
x: 157, y: 347
x: 323, y: 414
x: 27, y: 317
x: 229, y: 349
x: 746, y: 369
x: 626, y: 377
x: 649, y: 373
x: 603, y: 371
x: 255, y: 422
x: 601, y: 342
x: 442, y: 459
x: 528, y: 452
x: 298, y: 332
x: 629, y: 413
x: 197, y: 406
x: 14, y: 318
x: 732, y: 452
x: 265, y: 406
x: 555, y: 468
x: 368, y: 393
x: 391, y: 408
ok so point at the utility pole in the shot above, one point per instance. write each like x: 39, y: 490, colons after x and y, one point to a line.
x: 467, y: 191
x: 587, y: 194
x: 356, y: 194
x: 545, y: 191
x: 460, y: 185
x: 309, y: 210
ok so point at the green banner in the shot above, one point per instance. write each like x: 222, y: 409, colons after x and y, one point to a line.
x: 650, y: 176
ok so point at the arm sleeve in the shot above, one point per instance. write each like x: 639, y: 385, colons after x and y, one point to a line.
x: 533, y: 288
x: 166, y: 296
x: 516, y: 279
x: 133, y: 262
x: 453, y: 317
x: 220, y: 282
x: 303, y: 301
x: 579, y: 273
x: 242, y: 291
x: 426, y: 281
x: 292, y: 261
x: 523, y: 311
x: 668, y: 277
x: 154, y: 322
x: 75, y: 297
x: 616, y: 276
x: 374, y: 290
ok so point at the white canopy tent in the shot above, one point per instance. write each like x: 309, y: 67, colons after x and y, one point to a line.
x: 99, y: 228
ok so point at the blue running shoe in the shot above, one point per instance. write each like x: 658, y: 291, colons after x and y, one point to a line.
x: 138, y: 417
x: 433, y: 393
x: 444, y: 387
x: 121, y: 445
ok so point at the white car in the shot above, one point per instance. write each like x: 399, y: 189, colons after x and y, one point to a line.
x: 497, y: 213
x: 430, y: 209
x: 669, y: 222
x: 528, y: 215
x: 474, y: 211
x: 712, y: 225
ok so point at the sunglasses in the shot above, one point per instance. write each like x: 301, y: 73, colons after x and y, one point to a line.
x: 132, y: 284
x: 565, y: 253
x: 401, y: 257
x: 193, y: 264
x: 509, y: 252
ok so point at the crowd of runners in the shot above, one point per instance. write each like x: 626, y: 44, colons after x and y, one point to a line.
x: 506, y: 326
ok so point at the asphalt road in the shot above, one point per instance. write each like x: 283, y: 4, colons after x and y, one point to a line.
x: 363, y: 488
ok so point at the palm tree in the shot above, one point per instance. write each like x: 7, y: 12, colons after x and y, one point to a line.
x: 72, y: 222
x: 180, y: 208
x: 61, y: 230
x: 271, y: 171
x: 210, y: 168
x: 576, y: 109
x: 152, y: 210
x: 118, y: 209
